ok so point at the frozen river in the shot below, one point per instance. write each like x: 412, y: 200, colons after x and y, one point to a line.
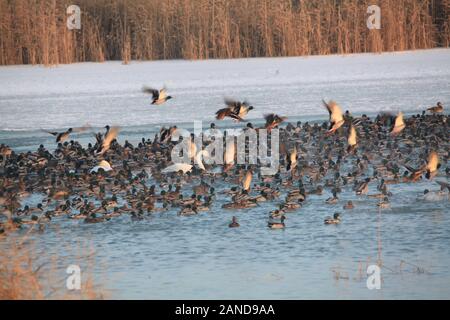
x: 168, y: 256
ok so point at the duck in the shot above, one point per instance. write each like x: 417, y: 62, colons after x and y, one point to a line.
x: 61, y: 136
x: 290, y: 206
x: 292, y: 160
x: 93, y: 218
x: 434, y: 196
x: 239, y: 205
x: 137, y: 216
x: 336, y: 219
x: 349, y: 205
x: 336, y: 115
x: 110, y: 136
x: 277, y: 225
x: 189, y: 210
x: 158, y: 96
x: 432, y: 165
x: 273, y: 121
x: 296, y: 195
x: 276, y: 214
x: 234, y: 223
x: 399, y: 124
x: 384, y: 204
x: 332, y: 200
x: 102, y: 165
x: 352, y: 139
x: 436, y: 109
x: 362, y: 187
x: 247, y: 180
x: 235, y: 110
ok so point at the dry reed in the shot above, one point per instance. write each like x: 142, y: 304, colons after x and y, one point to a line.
x: 22, y: 279
x: 35, y: 32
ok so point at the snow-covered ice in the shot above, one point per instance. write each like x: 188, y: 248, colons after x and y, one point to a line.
x: 110, y: 93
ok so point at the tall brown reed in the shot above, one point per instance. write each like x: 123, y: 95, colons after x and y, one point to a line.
x: 35, y: 32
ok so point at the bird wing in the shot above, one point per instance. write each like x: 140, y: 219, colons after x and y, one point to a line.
x: 269, y: 117
x: 231, y: 103
x: 53, y: 133
x: 336, y: 112
x: 153, y: 92
x: 110, y: 136
x: 352, y: 136
x: 87, y: 126
x: 247, y: 181
x: 293, y: 156
x: 162, y: 94
x: 229, y: 153
x: 222, y: 113
x: 327, y: 106
x: 433, y: 161
x: 399, y: 120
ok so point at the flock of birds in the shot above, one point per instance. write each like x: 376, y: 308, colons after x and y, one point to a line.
x: 107, y: 179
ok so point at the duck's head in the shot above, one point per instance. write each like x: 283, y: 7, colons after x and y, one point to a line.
x: 250, y: 108
x: 337, y: 216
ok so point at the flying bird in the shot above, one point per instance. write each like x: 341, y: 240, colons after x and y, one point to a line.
x: 292, y: 160
x: 63, y: 136
x: 158, y: 96
x: 399, y: 124
x: 235, y: 109
x: 229, y: 154
x: 272, y: 121
x: 109, y: 137
x: 336, y: 116
x: 352, y: 139
x: 432, y: 165
x: 246, y: 182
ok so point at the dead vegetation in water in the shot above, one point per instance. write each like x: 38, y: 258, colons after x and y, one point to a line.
x: 359, y: 274
x: 23, y: 275
x: 35, y: 32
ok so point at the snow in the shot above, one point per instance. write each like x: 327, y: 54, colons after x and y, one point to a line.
x: 33, y: 97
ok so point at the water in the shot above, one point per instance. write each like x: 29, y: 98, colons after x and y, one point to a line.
x: 170, y: 257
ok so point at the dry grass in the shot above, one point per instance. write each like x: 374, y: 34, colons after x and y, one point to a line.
x: 35, y: 32
x: 22, y: 279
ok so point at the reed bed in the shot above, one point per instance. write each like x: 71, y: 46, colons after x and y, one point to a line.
x: 35, y: 31
x: 23, y: 276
